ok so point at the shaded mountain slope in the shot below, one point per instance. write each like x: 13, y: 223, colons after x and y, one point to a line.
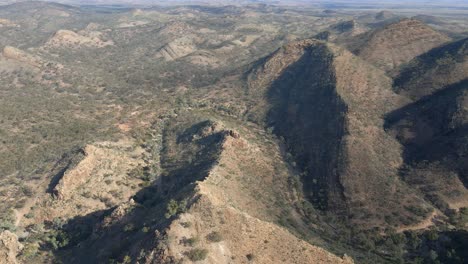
x: 434, y: 70
x: 434, y: 132
x: 433, y: 128
x: 342, y: 31
x: 329, y: 106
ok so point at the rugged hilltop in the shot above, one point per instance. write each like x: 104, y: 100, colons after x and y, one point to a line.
x: 434, y: 70
x: 398, y: 43
x: 200, y: 209
x: 327, y: 104
x: 433, y: 127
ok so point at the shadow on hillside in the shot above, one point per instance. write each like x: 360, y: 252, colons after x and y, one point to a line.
x: 307, y: 111
x: 426, y: 130
x: 66, y: 162
x: 143, y: 226
x: 429, y: 60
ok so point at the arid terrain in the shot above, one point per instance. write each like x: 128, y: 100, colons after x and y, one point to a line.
x: 286, y: 132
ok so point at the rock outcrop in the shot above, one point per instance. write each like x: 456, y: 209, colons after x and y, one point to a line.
x: 71, y: 39
x: 16, y: 54
x: 224, y: 205
x: 7, y: 23
x: 176, y: 49
x: 219, y: 189
x: 104, y: 175
x: 10, y: 248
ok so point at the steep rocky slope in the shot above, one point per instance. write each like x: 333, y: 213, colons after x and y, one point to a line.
x: 433, y: 128
x: 398, y: 43
x: 97, y: 177
x: 329, y: 106
x: 434, y: 70
x: 215, y: 200
x: 176, y: 49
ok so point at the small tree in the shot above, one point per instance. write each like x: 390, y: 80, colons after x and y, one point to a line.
x: 214, y: 237
x: 197, y: 254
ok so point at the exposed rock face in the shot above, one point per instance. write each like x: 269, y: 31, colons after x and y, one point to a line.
x: 329, y: 105
x: 72, y: 39
x: 223, y: 183
x: 177, y: 49
x: 6, y: 23
x: 77, y: 176
x: 98, y: 160
x: 400, y: 42
x: 106, y: 175
x: 13, y: 53
x: 224, y: 206
x: 244, y: 238
x: 9, y: 247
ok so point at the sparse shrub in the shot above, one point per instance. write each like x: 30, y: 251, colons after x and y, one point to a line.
x: 29, y: 215
x: 129, y: 227
x: 26, y: 190
x: 197, y: 254
x: 250, y: 257
x: 186, y: 224
x: 57, y: 239
x: 20, y: 204
x: 432, y: 235
x: 127, y: 260
x: 214, y: 237
x: 190, y: 241
x: 116, y: 194
x: 174, y: 207
x: 30, y: 250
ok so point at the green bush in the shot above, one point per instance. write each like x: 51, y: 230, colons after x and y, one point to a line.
x: 191, y: 241
x: 30, y: 250
x: 214, y: 237
x: 174, y: 207
x: 58, y: 239
x: 129, y: 227
x: 197, y: 254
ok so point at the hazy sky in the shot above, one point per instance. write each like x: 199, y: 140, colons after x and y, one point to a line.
x: 457, y: 3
